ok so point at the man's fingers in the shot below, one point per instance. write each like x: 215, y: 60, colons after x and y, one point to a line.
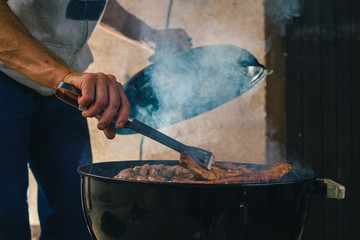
x: 173, y: 37
x: 124, y: 110
x: 99, y: 97
x: 113, y: 103
x: 110, y: 132
x: 87, y: 84
x: 184, y: 39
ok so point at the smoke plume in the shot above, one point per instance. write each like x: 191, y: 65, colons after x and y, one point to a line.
x: 279, y: 14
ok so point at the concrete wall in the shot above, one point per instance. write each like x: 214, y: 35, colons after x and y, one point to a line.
x: 234, y: 131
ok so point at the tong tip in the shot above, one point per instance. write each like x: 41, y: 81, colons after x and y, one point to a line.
x: 210, y: 162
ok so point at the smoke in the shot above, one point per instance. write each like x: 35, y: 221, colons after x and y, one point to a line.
x: 279, y: 14
x: 178, y: 88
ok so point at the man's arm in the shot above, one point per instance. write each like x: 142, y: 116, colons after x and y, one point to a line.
x: 23, y: 53
x: 116, y: 18
x: 20, y: 51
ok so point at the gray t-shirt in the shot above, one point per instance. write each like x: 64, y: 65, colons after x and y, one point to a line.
x: 64, y: 26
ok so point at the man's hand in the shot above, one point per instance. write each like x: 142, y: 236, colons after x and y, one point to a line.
x: 171, y: 38
x: 101, y: 93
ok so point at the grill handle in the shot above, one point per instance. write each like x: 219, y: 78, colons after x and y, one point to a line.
x: 329, y: 188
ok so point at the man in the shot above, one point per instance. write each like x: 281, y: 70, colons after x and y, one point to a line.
x: 42, y: 43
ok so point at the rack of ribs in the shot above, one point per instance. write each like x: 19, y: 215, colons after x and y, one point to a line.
x: 189, y: 171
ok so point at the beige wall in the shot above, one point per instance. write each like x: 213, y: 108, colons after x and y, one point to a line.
x: 234, y: 131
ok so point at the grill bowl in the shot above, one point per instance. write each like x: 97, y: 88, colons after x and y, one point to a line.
x: 140, y: 210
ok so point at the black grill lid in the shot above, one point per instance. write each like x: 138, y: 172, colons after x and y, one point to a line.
x: 183, y: 85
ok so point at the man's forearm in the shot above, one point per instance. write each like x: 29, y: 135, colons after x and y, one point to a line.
x: 23, y: 53
x: 122, y: 23
x: 116, y: 17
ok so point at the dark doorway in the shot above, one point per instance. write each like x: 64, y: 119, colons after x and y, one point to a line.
x: 314, y: 100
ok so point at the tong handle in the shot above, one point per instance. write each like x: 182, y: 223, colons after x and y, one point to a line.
x: 69, y: 94
x: 154, y: 134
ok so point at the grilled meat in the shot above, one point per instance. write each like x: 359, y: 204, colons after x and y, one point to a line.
x: 235, y: 174
x: 156, y: 172
x: 189, y: 171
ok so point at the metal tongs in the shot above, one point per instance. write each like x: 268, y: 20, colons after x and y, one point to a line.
x: 69, y: 94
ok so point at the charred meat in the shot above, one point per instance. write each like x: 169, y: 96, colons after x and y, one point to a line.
x: 189, y: 171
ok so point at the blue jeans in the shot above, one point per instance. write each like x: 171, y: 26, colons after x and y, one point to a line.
x: 52, y: 139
